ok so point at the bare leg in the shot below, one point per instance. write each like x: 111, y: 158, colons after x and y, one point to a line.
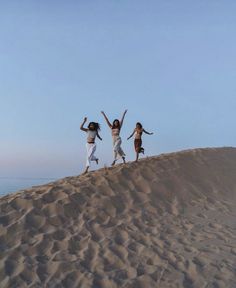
x: 86, y: 170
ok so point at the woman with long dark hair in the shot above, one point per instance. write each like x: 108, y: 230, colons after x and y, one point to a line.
x: 138, y: 131
x: 92, y: 133
x: 115, y: 130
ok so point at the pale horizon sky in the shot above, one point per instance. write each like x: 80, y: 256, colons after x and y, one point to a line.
x: 172, y: 64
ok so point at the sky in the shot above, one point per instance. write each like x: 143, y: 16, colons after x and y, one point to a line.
x: 171, y: 63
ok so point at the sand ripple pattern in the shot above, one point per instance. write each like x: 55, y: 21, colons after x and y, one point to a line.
x: 165, y: 222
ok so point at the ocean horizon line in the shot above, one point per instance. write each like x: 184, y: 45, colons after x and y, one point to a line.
x: 27, y: 178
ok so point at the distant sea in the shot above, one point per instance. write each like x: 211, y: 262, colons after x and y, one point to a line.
x: 10, y: 185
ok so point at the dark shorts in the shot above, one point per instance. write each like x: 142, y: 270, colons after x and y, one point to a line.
x: 138, y: 145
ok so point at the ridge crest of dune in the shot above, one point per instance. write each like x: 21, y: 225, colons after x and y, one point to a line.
x: 166, y: 221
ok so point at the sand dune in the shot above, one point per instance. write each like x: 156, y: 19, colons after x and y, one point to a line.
x: 167, y: 221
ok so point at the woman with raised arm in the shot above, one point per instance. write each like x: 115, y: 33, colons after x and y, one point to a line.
x: 138, y: 131
x: 92, y: 133
x: 115, y: 130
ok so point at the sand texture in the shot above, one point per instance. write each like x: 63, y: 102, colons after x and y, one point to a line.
x: 166, y: 221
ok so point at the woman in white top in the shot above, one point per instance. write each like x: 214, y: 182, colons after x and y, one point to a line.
x: 115, y: 129
x: 138, y: 131
x: 92, y: 133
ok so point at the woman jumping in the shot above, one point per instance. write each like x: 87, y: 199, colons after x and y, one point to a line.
x: 92, y: 133
x: 138, y: 131
x: 115, y: 129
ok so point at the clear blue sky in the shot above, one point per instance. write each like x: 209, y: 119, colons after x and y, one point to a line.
x: 172, y: 64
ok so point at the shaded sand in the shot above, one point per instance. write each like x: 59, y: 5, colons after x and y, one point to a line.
x: 167, y: 221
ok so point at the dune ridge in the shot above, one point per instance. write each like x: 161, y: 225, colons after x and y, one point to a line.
x: 166, y: 221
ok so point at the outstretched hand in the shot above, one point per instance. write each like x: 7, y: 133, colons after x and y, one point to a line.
x: 82, y: 125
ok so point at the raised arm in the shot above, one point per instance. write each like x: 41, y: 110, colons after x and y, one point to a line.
x: 149, y: 133
x: 122, y: 119
x: 131, y: 134
x: 108, y: 122
x: 82, y: 125
x: 99, y: 137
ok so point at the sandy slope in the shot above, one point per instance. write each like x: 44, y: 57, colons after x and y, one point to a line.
x: 167, y: 221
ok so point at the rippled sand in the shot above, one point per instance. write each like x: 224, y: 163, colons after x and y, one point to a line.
x: 166, y: 221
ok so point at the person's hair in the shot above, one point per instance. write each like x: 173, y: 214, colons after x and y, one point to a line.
x: 113, y: 124
x: 96, y: 126
x: 139, y: 124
